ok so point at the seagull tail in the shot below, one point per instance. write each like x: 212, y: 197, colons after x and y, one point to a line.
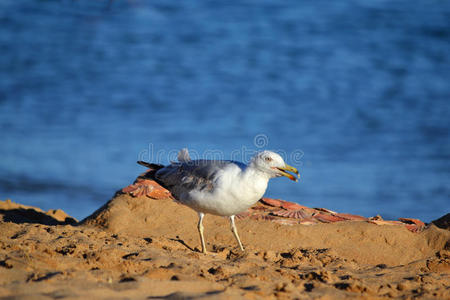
x: 183, y: 155
x: 150, y: 165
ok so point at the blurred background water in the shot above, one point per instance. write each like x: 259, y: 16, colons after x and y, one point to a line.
x: 355, y: 93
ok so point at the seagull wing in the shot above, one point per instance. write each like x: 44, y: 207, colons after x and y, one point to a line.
x: 193, y: 175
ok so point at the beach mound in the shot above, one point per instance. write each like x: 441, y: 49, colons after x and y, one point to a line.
x: 362, y: 242
x: 141, y: 248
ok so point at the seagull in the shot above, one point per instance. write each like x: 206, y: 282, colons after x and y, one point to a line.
x: 219, y: 187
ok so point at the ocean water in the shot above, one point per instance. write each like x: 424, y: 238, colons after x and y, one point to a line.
x: 355, y: 93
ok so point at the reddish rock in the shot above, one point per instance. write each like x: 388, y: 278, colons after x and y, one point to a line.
x: 293, y: 214
x: 414, y: 228
x: 352, y: 217
x: 325, y: 218
x: 292, y: 206
x: 146, y: 187
x: 325, y: 210
x: 283, y: 204
x: 263, y: 217
x: 272, y: 202
x: 412, y: 221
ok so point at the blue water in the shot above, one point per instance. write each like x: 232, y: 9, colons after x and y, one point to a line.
x: 354, y: 93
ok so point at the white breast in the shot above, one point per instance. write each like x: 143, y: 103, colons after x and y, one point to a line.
x: 235, y: 191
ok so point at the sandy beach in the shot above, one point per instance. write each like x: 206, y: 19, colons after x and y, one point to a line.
x: 142, y: 248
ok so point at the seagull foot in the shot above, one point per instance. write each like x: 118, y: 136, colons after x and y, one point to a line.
x: 201, y: 251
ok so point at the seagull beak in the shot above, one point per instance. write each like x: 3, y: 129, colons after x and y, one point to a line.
x: 290, y: 169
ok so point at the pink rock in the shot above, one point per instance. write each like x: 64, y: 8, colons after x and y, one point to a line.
x: 414, y: 228
x: 325, y: 210
x: 262, y: 217
x: 146, y: 187
x: 283, y: 204
x: 272, y: 202
x: 293, y: 214
x: 292, y: 206
x: 352, y: 217
x: 412, y: 221
x: 325, y: 218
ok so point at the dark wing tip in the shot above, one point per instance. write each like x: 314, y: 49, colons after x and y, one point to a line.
x: 150, y: 165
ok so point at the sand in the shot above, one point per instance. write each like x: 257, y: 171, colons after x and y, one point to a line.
x: 139, y: 248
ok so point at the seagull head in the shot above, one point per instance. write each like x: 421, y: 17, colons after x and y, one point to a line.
x: 273, y: 164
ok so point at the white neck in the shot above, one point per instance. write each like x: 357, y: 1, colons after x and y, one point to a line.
x: 253, y: 182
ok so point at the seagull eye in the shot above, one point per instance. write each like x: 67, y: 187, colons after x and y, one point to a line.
x: 268, y: 159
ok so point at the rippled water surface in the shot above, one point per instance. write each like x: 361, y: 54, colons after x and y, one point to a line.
x: 354, y: 93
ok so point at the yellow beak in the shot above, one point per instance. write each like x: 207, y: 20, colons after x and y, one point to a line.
x: 290, y: 169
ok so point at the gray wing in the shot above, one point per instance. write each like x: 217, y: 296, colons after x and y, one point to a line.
x: 183, y: 177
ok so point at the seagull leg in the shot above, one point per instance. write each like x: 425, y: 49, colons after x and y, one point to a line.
x: 200, y: 230
x: 233, y: 228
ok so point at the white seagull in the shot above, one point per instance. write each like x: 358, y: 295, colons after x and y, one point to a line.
x: 219, y: 187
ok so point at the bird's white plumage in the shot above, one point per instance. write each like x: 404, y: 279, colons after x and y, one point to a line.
x: 234, y: 191
x: 222, y: 188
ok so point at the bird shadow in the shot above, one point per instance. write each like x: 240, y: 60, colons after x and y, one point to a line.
x: 184, y: 244
x: 187, y: 296
x: 22, y: 216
